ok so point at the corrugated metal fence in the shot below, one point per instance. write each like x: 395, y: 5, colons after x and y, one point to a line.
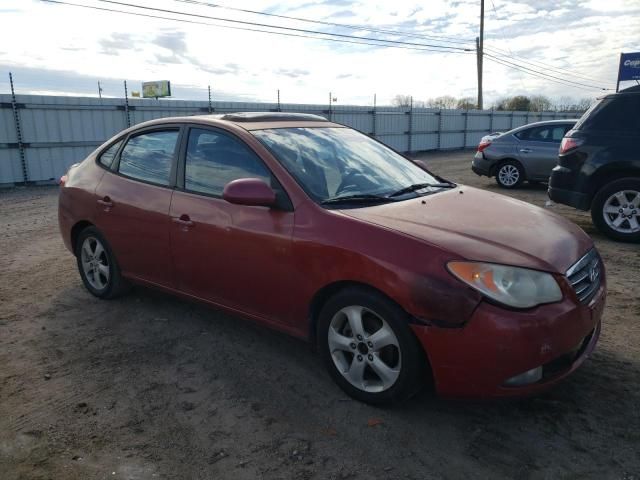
x: 40, y: 136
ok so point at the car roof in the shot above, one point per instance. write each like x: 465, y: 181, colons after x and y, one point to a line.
x: 634, y: 90
x: 249, y: 120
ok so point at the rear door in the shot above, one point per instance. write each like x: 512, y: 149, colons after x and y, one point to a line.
x: 133, y: 203
x: 538, y: 148
x: 235, y: 255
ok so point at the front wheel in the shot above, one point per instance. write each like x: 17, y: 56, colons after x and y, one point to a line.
x: 368, y: 347
x: 615, y: 210
x: 510, y: 174
x: 97, y: 264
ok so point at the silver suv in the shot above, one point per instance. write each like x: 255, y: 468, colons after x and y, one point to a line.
x: 525, y: 153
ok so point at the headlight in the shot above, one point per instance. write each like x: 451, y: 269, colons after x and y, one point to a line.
x: 512, y: 286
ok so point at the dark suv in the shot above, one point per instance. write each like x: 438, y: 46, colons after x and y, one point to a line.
x: 599, y: 165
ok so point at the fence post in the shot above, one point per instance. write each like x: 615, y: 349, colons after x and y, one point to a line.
x: 126, y: 104
x: 466, y: 127
x: 491, y: 121
x: 210, y: 105
x: 374, y: 116
x: 410, y: 132
x: 330, y: 107
x: 16, y: 120
x: 440, y: 122
x: 279, y: 101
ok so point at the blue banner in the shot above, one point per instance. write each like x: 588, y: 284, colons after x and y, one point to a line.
x: 629, y: 67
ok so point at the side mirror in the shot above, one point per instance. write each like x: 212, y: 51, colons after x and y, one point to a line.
x: 249, y: 191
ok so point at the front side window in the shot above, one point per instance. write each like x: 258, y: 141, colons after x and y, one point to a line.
x: 109, y: 154
x: 332, y: 162
x: 215, y: 159
x: 149, y: 156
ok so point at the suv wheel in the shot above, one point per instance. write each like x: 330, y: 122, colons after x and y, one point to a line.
x: 510, y: 174
x: 616, y: 210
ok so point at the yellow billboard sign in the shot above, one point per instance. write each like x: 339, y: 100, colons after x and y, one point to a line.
x: 158, y: 89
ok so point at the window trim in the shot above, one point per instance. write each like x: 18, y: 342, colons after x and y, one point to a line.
x: 173, y: 127
x: 283, y: 199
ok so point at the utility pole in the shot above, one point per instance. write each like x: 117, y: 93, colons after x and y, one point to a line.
x: 480, y: 53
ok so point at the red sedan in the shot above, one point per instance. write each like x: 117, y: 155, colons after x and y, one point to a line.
x: 321, y: 232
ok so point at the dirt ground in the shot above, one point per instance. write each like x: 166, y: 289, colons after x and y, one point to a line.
x: 149, y: 386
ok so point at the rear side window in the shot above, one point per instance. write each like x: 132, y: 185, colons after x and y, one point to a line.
x: 215, y: 159
x: 619, y: 114
x: 149, y: 156
x: 109, y: 154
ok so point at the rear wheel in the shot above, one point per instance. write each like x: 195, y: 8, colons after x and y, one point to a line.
x: 368, y: 347
x: 509, y: 174
x: 615, y: 210
x: 97, y: 265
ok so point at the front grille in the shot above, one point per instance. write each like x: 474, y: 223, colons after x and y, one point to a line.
x: 585, y: 276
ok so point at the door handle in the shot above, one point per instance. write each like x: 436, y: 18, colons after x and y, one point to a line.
x: 183, y: 220
x: 525, y: 150
x: 105, y: 202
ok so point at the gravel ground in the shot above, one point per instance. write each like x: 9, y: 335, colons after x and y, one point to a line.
x: 150, y: 386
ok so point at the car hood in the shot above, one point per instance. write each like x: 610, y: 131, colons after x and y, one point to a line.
x: 484, y: 226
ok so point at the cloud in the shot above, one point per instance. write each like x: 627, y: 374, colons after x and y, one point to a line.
x: 292, y: 73
x: 116, y: 43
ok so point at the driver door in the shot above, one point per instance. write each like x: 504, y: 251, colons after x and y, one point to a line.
x: 234, y: 255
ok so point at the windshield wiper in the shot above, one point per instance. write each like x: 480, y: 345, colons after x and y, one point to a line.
x: 358, y: 198
x: 420, y: 186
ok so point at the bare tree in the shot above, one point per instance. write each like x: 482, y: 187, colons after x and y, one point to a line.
x: 466, y: 103
x: 540, y: 103
x: 401, y: 101
x: 445, y: 101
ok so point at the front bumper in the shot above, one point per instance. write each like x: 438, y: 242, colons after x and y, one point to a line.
x: 498, y: 344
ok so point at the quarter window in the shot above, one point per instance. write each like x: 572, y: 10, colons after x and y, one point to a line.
x: 215, y: 159
x: 109, y: 154
x: 149, y: 156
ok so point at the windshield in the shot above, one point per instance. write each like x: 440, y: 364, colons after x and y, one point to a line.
x: 333, y: 163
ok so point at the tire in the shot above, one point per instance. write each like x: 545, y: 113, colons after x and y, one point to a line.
x: 615, y: 210
x: 510, y: 174
x: 100, y: 272
x: 401, y: 362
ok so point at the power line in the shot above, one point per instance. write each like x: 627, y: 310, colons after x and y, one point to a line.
x: 496, y: 50
x: 195, y: 22
x: 332, y: 24
x: 508, y: 53
x: 302, y: 30
x: 539, y: 64
x: 539, y: 74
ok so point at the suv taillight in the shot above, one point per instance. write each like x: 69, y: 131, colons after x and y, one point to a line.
x: 569, y: 143
x: 483, y: 145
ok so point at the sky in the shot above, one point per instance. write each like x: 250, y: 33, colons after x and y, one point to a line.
x: 64, y: 50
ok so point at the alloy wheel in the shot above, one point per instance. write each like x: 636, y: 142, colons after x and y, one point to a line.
x: 364, y: 349
x: 509, y: 175
x: 621, y: 211
x: 95, y: 263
